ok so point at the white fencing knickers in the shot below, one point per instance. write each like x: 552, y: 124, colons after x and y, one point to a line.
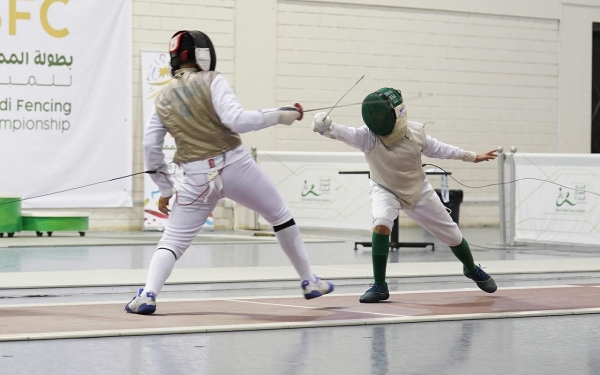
x: 428, y: 212
x: 242, y: 181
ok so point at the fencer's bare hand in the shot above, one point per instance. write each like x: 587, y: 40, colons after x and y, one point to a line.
x: 163, y: 205
x: 490, y: 155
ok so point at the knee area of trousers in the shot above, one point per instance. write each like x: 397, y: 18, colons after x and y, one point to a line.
x: 382, y: 222
x: 287, y: 224
x: 172, y: 249
x: 280, y: 217
x: 455, y: 242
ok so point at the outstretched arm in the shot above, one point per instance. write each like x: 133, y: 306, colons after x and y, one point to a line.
x: 360, y: 138
x: 235, y: 117
x: 440, y: 150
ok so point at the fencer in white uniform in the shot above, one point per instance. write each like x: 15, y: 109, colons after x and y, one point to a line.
x: 393, y: 147
x: 199, y: 109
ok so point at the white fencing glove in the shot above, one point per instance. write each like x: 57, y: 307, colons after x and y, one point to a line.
x: 321, y: 123
x: 290, y: 113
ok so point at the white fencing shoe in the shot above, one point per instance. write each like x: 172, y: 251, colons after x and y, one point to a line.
x: 317, y: 289
x: 142, y: 304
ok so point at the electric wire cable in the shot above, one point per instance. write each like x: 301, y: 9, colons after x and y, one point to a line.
x: 508, y: 182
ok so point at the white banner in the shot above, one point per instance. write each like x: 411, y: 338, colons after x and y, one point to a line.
x: 550, y: 213
x: 65, y: 101
x: 156, y: 73
x: 316, y: 193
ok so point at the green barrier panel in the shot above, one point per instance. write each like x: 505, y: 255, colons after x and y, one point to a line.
x: 10, y: 215
x: 55, y: 223
x: 44, y: 224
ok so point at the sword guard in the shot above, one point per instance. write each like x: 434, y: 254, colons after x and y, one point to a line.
x: 300, y: 109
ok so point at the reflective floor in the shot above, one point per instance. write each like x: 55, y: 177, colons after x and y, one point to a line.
x: 541, y: 345
x: 551, y: 345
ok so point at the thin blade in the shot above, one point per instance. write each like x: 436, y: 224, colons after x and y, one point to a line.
x: 332, y: 108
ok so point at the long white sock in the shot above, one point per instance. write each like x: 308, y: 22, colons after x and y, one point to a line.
x: 161, y: 265
x: 290, y: 240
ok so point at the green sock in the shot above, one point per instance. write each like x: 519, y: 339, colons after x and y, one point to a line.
x: 381, y: 249
x: 463, y: 253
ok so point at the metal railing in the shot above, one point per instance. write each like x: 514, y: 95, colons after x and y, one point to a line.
x: 505, y: 159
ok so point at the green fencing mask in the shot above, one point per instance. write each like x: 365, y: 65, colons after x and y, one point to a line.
x: 379, y: 110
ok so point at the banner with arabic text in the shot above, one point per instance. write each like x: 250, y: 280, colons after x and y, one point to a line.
x: 559, y: 198
x: 65, y: 102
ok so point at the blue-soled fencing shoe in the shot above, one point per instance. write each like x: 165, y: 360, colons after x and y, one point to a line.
x: 142, y: 304
x: 314, y: 290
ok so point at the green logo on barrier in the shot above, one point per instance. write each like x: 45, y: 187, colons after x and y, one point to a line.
x: 306, y: 191
x: 566, y: 200
x: 319, y: 191
x: 562, y: 200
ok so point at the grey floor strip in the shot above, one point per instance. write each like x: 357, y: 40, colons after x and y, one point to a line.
x: 129, y: 277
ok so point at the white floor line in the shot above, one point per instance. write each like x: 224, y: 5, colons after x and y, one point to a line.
x: 374, y: 313
x: 273, y: 304
x: 345, y: 269
x: 317, y: 308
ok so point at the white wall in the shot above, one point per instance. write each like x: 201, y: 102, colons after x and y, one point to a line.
x: 502, y: 73
x: 494, y: 78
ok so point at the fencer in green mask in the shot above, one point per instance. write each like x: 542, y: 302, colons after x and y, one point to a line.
x: 384, y: 113
x: 393, y: 147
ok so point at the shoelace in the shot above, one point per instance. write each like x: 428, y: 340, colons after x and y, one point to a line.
x: 376, y: 287
x: 480, y: 273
